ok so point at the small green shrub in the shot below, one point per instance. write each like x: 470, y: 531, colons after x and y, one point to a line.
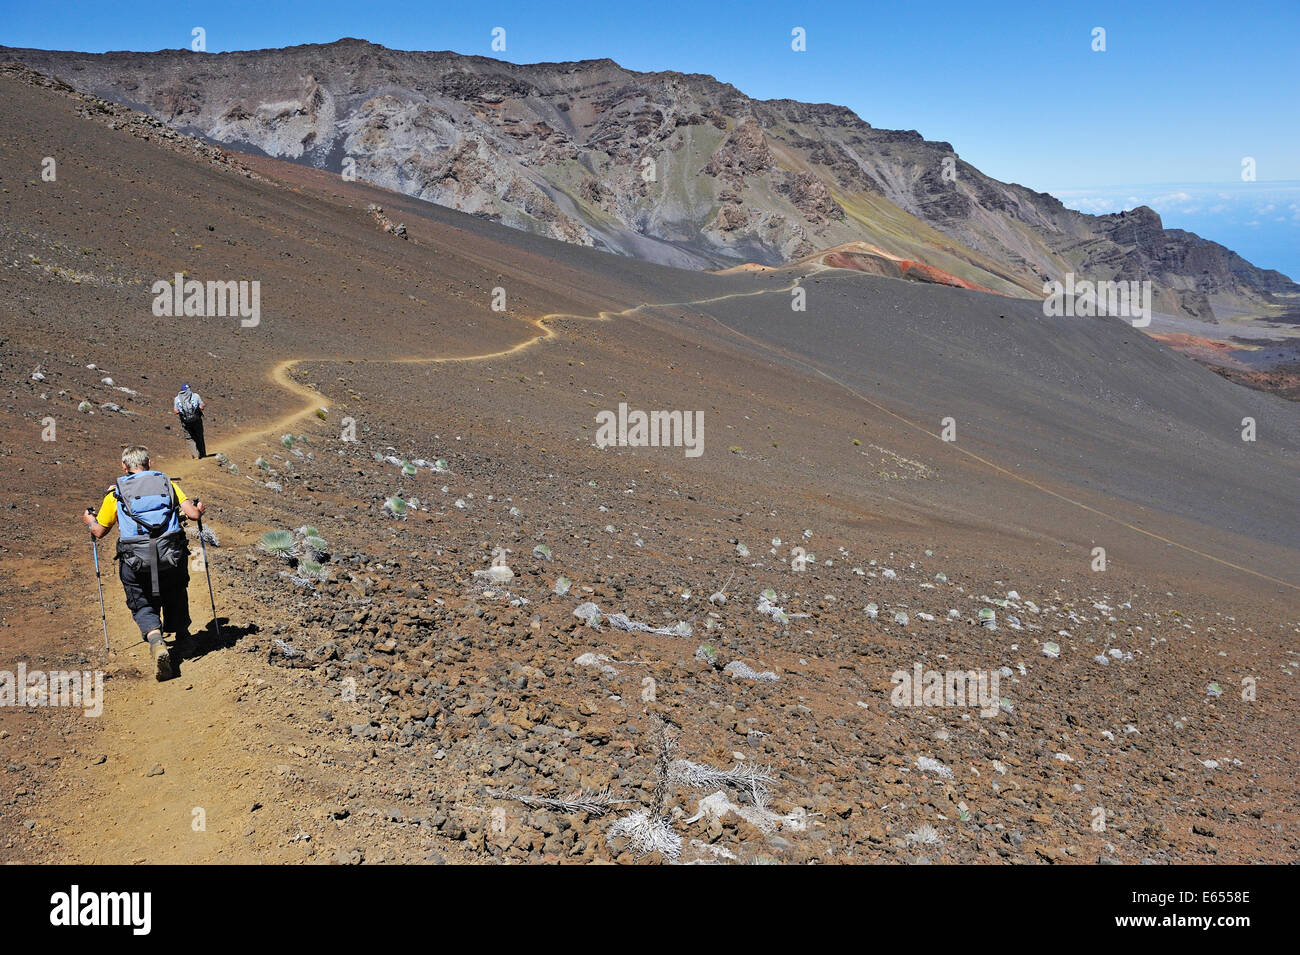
x: 279, y: 544
x: 312, y: 570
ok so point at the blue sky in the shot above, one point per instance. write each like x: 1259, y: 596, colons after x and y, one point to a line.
x: 1182, y: 93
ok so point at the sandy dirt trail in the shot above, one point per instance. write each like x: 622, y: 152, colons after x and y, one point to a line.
x: 214, y: 754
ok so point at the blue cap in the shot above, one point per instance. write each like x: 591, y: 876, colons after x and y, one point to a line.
x: 185, y: 387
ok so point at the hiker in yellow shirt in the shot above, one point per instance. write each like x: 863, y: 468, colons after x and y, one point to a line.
x: 147, y: 506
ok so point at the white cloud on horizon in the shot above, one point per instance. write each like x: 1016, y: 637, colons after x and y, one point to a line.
x: 1247, y: 199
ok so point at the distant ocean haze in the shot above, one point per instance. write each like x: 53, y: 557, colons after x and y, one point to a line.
x: 1260, y: 221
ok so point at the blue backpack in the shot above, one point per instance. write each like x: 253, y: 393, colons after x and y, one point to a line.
x: 149, y: 524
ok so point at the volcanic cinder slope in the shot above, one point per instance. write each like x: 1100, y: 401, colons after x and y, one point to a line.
x: 396, y: 706
x: 674, y: 168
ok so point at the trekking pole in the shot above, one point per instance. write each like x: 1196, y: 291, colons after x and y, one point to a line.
x: 203, y: 546
x: 94, y: 546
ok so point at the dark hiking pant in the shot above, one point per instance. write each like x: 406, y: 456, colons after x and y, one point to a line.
x: 194, y: 437
x: 170, y: 610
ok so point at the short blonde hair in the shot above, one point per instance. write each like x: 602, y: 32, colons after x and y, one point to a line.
x: 136, y: 456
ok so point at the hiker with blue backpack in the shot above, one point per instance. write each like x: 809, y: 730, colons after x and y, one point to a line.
x: 188, y: 406
x: 147, y: 506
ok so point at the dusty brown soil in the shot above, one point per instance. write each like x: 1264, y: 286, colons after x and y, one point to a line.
x: 380, y: 714
x: 1283, y: 380
x: 1223, y: 358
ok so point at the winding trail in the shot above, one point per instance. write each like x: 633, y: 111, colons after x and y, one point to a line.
x: 214, y: 749
x: 281, y: 374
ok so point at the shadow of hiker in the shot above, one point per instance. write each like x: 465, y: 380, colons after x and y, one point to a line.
x: 205, y: 641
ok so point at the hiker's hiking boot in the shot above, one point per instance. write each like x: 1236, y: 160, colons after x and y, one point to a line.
x: 161, y: 656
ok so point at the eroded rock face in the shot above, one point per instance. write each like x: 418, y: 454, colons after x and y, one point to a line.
x: 744, y: 154
x: 730, y: 218
x: 302, y: 122
x: 671, y: 167
x: 810, y: 196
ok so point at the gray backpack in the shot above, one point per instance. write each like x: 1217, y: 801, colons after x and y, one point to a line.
x: 189, y: 403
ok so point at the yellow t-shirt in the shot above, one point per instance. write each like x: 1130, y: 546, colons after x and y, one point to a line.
x: 107, y: 515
